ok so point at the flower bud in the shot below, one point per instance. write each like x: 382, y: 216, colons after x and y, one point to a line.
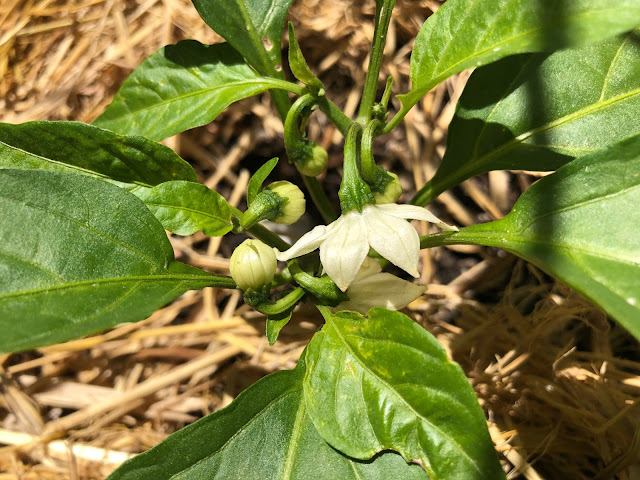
x: 294, y: 205
x: 315, y: 163
x: 391, y: 193
x: 252, y: 265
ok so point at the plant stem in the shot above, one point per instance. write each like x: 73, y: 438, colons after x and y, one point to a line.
x: 282, y: 304
x: 320, y: 199
x: 335, y: 115
x: 263, y: 233
x: 383, y: 17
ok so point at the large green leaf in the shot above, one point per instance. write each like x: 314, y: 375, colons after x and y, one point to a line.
x: 264, y: 434
x: 468, y: 33
x: 73, y: 147
x: 186, y: 207
x: 183, y: 86
x: 533, y: 112
x: 79, y: 255
x: 383, y: 382
x: 253, y: 27
x: 580, y: 224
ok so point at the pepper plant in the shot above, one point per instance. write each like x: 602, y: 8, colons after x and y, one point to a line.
x: 85, y: 209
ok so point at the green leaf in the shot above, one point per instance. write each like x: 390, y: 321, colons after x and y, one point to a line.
x: 186, y: 207
x: 258, y: 178
x: 79, y: 255
x: 298, y: 64
x: 265, y: 434
x: 183, y: 86
x: 385, y: 383
x: 580, y: 224
x: 253, y: 27
x: 469, y: 33
x: 73, y: 147
x: 275, y: 323
x: 533, y: 112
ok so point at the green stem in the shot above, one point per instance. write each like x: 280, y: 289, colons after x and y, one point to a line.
x: 383, y: 17
x: 335, y: 115
x: 263, y: 233
x: 354, y: 193
x: 367, y: 162
x: 282, y: 304
x: 320, y: 199
x: 397, y: 118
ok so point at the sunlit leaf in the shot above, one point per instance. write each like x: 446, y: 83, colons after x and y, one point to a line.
x: 79, y: 255
x: 253, y: 27
x: 183, y: 86
x: 73, y: 147
x: 258, y: 178
x: 264, y: 434
x: 186, y: 207
x: 383, y: 382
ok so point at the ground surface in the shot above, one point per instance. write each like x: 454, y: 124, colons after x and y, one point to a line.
x: 559, y: 382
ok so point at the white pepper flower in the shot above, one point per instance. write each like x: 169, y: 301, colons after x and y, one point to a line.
x: 252, y: 265
x: 372, y: 288
x: 344, y: 244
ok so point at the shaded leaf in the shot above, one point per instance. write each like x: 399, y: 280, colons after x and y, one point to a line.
x: 533, y: 112
x: 264, y: 434
x: 580, y: 224
x: 275, y: 323
x: 382, y: 383
x: 75, y: 147
x: 79, y: 255
x: 469, y: 33
x: 186, y: 207
x: 183, y: 86
x: 258, y: 178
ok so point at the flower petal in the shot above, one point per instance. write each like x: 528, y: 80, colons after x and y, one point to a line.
x: 343, y: 252
x: 380, y: 290
x: 307, y: 243
x: 414, y: 212
x: 393, y: 238
x: 369, y: 267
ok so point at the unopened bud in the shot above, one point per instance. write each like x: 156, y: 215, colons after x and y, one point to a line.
x: 252, y: 265
x: 314, y: 163
x: 294, y: 205
x: 391, y: 193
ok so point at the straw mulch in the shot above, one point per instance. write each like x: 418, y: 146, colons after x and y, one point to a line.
x: 559, y: 382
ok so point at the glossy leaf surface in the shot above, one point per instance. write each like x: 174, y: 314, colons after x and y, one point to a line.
x: 469, y: 33
x: 382, y: 383
x: 265, y: 434
x: 253, y: 27
x: 186, y: 207
x: 75, y: 147
x: 533, y: 112
x: 182, y: 86
x: 580, y: 224
x: 80, y: 255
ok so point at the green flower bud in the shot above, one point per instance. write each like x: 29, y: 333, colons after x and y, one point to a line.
x: 294, y: 205
x: 315, y: 163
x: 252, y: 265
x: 391, y: 193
